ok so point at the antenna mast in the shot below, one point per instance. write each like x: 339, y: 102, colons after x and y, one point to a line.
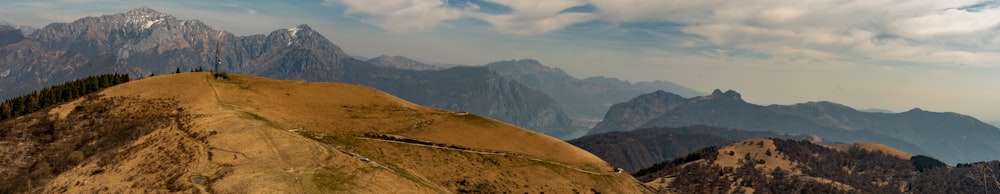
x: 217, y: 59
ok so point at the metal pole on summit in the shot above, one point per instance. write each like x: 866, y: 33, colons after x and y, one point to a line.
x: 217, y: 60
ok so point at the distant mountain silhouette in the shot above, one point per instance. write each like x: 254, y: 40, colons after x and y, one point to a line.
x: 641, y: 148
x: 143, y: 41
x: 400, y: 62
x: 24, y: 29
x: 876, y: 110
x: 950, y: 137
x: 10, y: 35
x: 588, y: 97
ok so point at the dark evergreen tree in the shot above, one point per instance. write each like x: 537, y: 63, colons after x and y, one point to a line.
x: 53, y: 95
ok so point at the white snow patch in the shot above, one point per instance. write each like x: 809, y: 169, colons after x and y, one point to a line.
x: 294, y: 31
x: 5, y: 73
x: 150, y: 23
x: 219, y: 36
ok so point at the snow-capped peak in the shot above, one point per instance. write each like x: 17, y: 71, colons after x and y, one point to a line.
x: 144, y: 17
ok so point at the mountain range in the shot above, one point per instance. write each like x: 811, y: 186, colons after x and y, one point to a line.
x: 584, y: 100
x: 589, y: 97
x: 143, y: 42
x: 951, y: 137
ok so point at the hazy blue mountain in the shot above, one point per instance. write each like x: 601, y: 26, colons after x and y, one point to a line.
x: 590, y: 97
x: 143, y: 41
x: 400, y: 62
x: 10, y: 35
x: 24, y: 29
x: 876, y: 110
x: 951, y: 137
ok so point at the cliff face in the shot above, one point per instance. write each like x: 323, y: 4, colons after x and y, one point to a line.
x: 143, y: 41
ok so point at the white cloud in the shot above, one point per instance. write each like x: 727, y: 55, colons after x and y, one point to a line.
x: 403, y: 15
x: 532, y: 17
x: 245, y: 9
x: 921, y: 31
x: 528, y: 17
x: 949, y: 22
x: 518, y: 24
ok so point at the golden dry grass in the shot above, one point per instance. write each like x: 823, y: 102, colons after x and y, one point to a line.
x: 875, y: 147
x: 757, y: 149
x: 257, y: 135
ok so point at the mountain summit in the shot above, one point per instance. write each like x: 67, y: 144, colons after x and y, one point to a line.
x: 728, y: 94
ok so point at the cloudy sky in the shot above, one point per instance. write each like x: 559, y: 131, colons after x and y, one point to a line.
x: 938, y: 55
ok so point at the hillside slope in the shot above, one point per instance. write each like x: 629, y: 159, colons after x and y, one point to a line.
x: 641, y: 148
x: 789, y: 166
x: 191, y: 133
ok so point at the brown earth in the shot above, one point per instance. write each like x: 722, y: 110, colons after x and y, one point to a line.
x: 256, y: 135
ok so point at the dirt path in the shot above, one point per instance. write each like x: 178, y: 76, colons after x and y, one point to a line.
x: 497, y: 154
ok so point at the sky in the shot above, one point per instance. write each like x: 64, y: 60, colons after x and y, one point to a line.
x: 938, y: 55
